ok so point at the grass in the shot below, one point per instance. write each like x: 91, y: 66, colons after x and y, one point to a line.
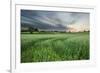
x: 54, y: 47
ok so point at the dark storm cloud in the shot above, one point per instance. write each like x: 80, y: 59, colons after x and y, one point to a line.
x: 52, y: 19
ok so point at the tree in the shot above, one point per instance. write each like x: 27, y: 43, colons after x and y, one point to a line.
x: 31, y: 30
x: 36, y: 29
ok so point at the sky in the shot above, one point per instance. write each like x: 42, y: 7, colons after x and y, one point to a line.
x: 55, y: 20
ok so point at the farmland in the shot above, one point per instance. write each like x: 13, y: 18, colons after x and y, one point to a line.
x: 44, y: 47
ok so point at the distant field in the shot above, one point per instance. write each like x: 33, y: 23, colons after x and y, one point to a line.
x: 43, y: 47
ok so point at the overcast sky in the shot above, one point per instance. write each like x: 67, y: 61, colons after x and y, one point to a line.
x: 56, y: 20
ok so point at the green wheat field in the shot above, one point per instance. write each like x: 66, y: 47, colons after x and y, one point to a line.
x: 46, y: 47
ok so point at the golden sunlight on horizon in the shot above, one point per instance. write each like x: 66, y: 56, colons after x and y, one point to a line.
x: 78, y: 28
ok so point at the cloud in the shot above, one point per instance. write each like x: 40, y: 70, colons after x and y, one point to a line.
x: 54, y: 20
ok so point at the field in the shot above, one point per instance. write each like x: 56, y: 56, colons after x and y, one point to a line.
x: 43, y: 47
